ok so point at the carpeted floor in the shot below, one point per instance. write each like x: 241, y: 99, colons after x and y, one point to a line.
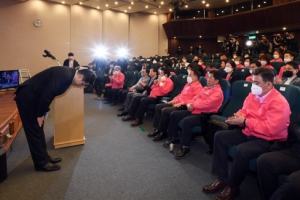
x: 116, y: 162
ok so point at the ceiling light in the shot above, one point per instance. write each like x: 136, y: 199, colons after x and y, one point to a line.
x: 177, y: 16
x: 116, y: 2
x: 159, y: 6
x: 155, y: 13
x: 146, y: 6
x: 63, y: 2
x: 203, y: 2
x: 217, y: 13
x: 222, y: 11
x: 132, y: 2
x: 258, y: 6
x: 242, y: 6
x: 129, y: 7
x: 98, y: 7
x: 162, y: 3
x: 125, y: 10
x: 227, y: 1
x: 265, y: 2
x: 200, y: 36
x: 186, y: 6
x: 237, y: 10
x: 194, y: 17
x: 170, y: 9
x: 198, y: 11
x: 284, y: 28
x: 249, y: 43
x: 80, y: 3
x: 257, y: 32
x: 207, y: 5
x: 174, y: 37
x: 106, y: 5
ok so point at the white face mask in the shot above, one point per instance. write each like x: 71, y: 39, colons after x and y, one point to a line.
x: 184, y: 60
x: 227, y: 69
x: 276, y: 56
x: 250, y: 71
x: 163, y: 78
x: 257, y: 90
x: 263, y: 62
x: 199, y: 63
x: 247, y: 64
x: 287, y: 60
x: 237, y: 62
x: 189, y: 71
x: 189, y: 79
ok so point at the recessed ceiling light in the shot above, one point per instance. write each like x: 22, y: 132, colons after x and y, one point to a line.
x: 106, y: 5
x: 162, y: 3
x: 170, y: 9
x: 154, y: 12
x: 98, y: 7
x: 200, y: 36
x: 265, y: 2
x: 146, y: 6
x: 174, y: 37
x: 194, y: 17
x: 217, y: 13
x: 258, y: 6
x: 132, y: 2
x: 177, y: 16
x: 63, y: 2
x: 125, y: 10
x: 222, y: 11
x: 203, y: 2
x: 198, y: 11
x: 242, y: 6
x: 186, y: 6
x: 80, y: 3
x: 237, y: 10
x: 227, y: 1
x: 207, y: 5
x: 116, y: 2
x: 129, y: 7
x: 257, y: 32
x: 284, y: 28
x: 159, y: 6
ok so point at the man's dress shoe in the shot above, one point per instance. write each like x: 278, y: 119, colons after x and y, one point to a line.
x: 228, y: 193
x: 136, y: 122
x: 55, y: 160
x: 48, y: 167
x: 214, y: 187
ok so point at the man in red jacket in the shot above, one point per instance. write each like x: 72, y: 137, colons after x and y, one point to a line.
x: 161, y: 87
x: 209, y: 99
x: 265, y: 116
x: 116, y: 83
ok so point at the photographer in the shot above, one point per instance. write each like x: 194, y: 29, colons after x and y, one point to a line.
x: 263, y: 44
x: 292, y: 43
x: 277, y: 40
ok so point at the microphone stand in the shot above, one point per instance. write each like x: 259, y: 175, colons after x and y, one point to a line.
x: 48, y: 54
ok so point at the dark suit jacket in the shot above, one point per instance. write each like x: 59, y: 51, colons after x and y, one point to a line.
x: 43, y: 87
x: 295, y: 81
x: 75, y: 64
x: 148, y: 87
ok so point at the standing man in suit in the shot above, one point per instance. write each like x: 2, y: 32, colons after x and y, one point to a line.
x: 71, y: 62
x: 33, y: 99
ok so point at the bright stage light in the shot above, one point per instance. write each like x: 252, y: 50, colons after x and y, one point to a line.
x: 122, y: 52
x: 101, y: 51
x: 249, y: 43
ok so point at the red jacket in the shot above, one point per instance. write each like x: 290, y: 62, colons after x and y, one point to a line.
x: 161, y: 89
x: 267, y: 120
x: 188, y: 92
x: 240, y: 66
x: 209, y: 99
x: 269, y: 67
x: 278, y: 60
x: 117, y: 81
x: 249, y: 78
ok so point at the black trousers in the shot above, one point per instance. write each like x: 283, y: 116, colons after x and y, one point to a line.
x: 162, y: 115
x: 144, y: 105
x: 122, y: 93
x: 134, y: 104
x: 272, y: 164
x: 27, y: 106
x: 249, y: 147
x: 113, y: 97
x: 175, y: 117
x: 98, y: 85
x: 107, y: 92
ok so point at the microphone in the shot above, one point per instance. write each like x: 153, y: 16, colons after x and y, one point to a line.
x: 48, y: 54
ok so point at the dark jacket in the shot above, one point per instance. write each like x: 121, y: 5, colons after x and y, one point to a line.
x: 43, y: 87
x: 295, y: 81
x: 75, y: 63
x: 148, y: 87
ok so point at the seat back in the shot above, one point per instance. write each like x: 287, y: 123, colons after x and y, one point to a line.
x: 225, y: 85
x: 277, y: 66
x: 292, y: 94
x: 183, y: 71
x: 177, y: 70
x: 130, y: 78
x: 243, y: 73
x: 240, y: 90
x: 203, y: 81
x: 176, y: 87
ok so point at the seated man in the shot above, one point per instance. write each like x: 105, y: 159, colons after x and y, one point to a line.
x: 163, y: 111
x: 288, y: 56
x: 253, y: 66
x: 286, y: 161
x: 144, y: 90
x: 289, y: 77
x: 161, y: 87
x: 116, y: 83
x: 266, y: 116
x: 209, y: 68
x: 209, y: 99
x: 137, y: 88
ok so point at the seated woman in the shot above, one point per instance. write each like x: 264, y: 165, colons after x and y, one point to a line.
x: 238, y: 62
x: 247, y: 62
x: 265, y: 61
x: 253, y: 66
x: 230, y: 75
x: 277, y: 56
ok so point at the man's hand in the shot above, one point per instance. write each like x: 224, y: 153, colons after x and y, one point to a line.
x: 40, y: 120
x: 155, y: 81
x: 170, y: 102
x: 142, y: 84
x: 190, y: 107
x: 277, y: 80
x: 235, y: 120
x: 177, y: 105
x: 131, y: 89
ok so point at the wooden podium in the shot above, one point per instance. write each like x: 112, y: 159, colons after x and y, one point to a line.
x: 69, y: 118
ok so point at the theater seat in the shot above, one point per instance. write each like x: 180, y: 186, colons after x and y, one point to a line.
x: 177, y: 70
x: 277, y: 66
x: 243, y: 73
x: 183, y: 71
x: 203, y: 81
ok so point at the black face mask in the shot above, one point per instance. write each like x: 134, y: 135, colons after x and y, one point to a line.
x: 287, y: 74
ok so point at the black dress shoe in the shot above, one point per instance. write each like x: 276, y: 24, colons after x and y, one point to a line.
x: 48, y: 167
x: 121, y: 109
x: 154, y: 133
x: 162, y: 135
x: 122, y: 114
x: 172, y: 140
x: 182, y: 153
x: 55, y: 160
